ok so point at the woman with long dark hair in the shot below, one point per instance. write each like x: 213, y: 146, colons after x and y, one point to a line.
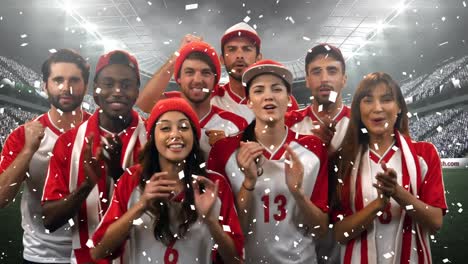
x: 168, y: 209
x: 391, y: 193
x: 279, y: 179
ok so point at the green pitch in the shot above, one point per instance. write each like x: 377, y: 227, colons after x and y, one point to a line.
x: 449, y: 244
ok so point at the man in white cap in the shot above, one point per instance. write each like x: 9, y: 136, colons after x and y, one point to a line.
x: 240, y: 48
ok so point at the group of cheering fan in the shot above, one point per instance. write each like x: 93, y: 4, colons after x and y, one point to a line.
x: 231, y: 173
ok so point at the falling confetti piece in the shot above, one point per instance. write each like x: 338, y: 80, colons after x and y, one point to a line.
x: 71, y: 222
x: 446, y: 260
x: 24, y: 44
x: 226, y: 228
x: 439, y: 129
x: 409, y: 207
x: 191, y: 6
x: 443, y: 43
x: 205, y: 90
x: 387, y: 255
x: 246, y: 19
x: 305, y: 38
x: 346, y: 234
x: 332, y: 97
x: 137, y: 222
x: 320, y: 108
x: 459, y: 204
x: 464, y: 4
x: 149, y: 3
x: 267, y: 191
x: 276, y: 238
x: 364, y: 130
x: 24, y: 36
x: 90, y: 243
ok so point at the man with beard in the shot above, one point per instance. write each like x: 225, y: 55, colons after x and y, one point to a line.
x: 240, y: 47
x: 197, y: 69
x: 26, y: 155
x: 327, y: 117
x: 88, y: 160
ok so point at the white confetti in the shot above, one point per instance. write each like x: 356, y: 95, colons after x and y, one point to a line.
x: 149, y: 3
x: 346, y: 234
x: 181, y: 174
x: 443, y: 19
x: 443, y: 43
x: 291, y: 20
x: 24, y: 36
x: 191, y: 6
x: 192, y: 207
x: 333, y: 96
x: 387, y: 255
x: 464, y: 4
x: 24, y: 44
x: 205, y: 90
x: 202, y: 165
x: 320, y: 108
x: 439, y: 129
x: 276, y: 238
x: 459, y: 204
x: 246, y: 19
x: 226, y: 228
x: 445, y: 260
x: 137, y: 222
x: 90, y: 243
x: 267, y: 191
x: 71, y: 222
x: 460, y: 210
x: 98, y: 90
x: 409, y: 207
x: 376, y: 146
x: 305, y: 38
x: 364, y: 130
x: 138, y: 19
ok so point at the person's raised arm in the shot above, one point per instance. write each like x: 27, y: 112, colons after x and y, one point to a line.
x: 14, y: 175
x: 155, y: 87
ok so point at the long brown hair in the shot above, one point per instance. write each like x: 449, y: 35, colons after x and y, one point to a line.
x: 149, y: 160
x: 355, y: 137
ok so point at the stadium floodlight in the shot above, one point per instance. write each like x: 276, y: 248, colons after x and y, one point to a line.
x: 90, y: 27
x: 110, y: 44
x: 401, y: 7
x: 67, y: 6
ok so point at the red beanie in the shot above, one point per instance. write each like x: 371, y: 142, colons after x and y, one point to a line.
x: 173, y: 104
x: 201, y: 47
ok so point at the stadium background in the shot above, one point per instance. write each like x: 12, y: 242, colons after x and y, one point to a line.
x: 422, y: 44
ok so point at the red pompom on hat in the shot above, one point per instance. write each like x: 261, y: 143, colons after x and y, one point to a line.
x: 241, y: 30
x: 199, y: 46
x: 173, y: 104
x: 118, y: 57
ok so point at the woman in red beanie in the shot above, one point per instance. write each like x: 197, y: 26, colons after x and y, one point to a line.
x: 279, y: 179
x: 168, y: 209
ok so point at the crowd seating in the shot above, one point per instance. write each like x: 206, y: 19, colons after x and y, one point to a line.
x: 447, y: 130
x: 444, y: 77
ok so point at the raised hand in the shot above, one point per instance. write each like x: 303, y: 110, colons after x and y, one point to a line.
x: 111, y: 154
x: 214, y: 135
x: 33, y: 134
x: 206, y: 198
x: 294, y: 171
x: 158, y: 187
x: 325, y: 131
x: 247, y: 157
x: 91, y: 163
x: 189, y: 38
